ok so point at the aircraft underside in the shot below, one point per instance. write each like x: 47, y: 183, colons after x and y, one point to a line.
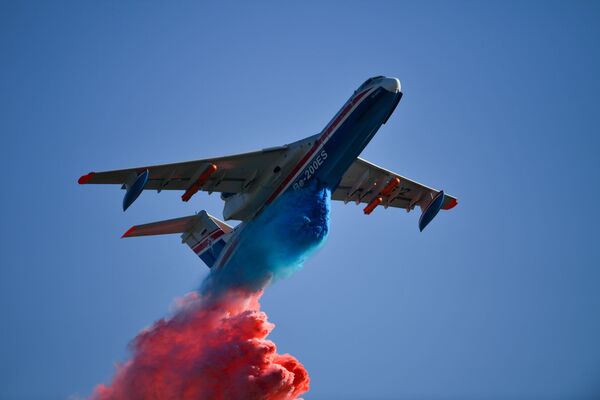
x: 282, y: 194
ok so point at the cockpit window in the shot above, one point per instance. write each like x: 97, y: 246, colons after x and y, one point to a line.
x: 368, y: 82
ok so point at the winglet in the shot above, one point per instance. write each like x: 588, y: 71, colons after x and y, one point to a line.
x: 129, y: 232
x: 85, y: 178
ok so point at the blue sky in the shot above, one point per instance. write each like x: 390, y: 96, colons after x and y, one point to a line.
x: 497, y: 299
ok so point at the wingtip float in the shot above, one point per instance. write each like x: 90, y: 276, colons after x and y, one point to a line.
x: 134, y: 188
x: 432, y: 209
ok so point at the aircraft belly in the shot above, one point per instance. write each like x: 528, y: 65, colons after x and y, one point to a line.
x: 243, y: 206
x: 277, y: 240
x: 326, y: 158
x: 346, y: 144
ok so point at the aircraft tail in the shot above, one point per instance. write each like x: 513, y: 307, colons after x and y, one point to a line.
x: 204, y: 234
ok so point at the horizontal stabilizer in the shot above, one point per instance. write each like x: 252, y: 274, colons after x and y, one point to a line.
x: 203, y: 233
x: 176, y: 225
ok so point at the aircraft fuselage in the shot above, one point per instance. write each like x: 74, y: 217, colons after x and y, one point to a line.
x: 324, y: 157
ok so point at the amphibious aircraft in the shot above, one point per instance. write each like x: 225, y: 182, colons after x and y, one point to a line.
x: 250, y: 182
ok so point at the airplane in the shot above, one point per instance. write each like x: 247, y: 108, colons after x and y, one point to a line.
x: 251, y: 182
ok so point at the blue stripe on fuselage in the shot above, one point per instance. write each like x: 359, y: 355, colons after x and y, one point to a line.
x: 329, y: 164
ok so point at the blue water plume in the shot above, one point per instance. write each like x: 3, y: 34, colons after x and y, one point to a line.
x: 277, y: 242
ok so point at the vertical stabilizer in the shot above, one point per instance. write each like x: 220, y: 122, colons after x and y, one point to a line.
x: 207, y: 238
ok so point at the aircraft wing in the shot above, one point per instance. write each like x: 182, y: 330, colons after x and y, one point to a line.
x: 230, y: 174
x: 368, y: 183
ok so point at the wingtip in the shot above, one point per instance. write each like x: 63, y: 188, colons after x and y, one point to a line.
x: 85, y: 178
x: 451, y: 204
x: 129, y: 232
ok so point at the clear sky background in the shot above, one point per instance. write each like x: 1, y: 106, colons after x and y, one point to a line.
x: 497, y: 299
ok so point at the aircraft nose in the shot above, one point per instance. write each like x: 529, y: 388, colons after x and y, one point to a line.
x: 391, y: 85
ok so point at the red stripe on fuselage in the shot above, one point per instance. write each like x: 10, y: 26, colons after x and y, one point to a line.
x: 318, y: 142
x: 204, y: 243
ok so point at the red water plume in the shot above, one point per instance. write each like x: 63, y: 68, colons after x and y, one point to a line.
x: 209, y: 349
